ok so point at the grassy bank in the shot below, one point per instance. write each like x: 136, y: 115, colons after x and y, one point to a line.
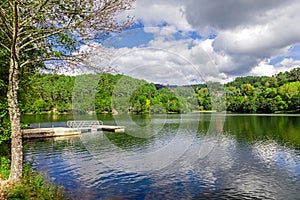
x: 34, y: 185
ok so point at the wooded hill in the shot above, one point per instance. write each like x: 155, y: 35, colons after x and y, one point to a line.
x: 279, y: 93
x: 119, y: 93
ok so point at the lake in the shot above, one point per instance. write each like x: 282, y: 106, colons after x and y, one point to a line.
x: 180, y: 156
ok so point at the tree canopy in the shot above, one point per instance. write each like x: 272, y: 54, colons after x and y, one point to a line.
x: 53, y: 93
x: 279, y: 93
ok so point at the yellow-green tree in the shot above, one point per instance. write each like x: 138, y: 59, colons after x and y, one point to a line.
x: 289, y: 90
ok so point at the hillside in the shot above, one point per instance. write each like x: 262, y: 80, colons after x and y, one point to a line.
x: 106, y: 92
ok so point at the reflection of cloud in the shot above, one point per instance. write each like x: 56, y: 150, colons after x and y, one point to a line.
x: 263, y: 170
x: 273, y: 154
x: 265, y: 151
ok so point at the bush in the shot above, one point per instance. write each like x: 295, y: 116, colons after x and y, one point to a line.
x: 4, y: 167
x: 35, y: 186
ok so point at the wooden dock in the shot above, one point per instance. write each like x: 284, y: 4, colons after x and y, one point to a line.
x: 67, y: 131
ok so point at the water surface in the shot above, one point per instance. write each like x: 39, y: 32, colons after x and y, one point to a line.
x: 192, y: 156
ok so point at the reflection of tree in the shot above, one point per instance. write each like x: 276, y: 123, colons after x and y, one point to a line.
x: 250, y: 128
x: 220, y: 124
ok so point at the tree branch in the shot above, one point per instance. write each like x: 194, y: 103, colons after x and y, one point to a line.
x: 43, y: 36
x: 30, y: 19
x: 63, y: 57
x: 5, y: 33
x: 5, y: 18
x: 4, y: 46
x: 15, y: 32
x: 26, y: 62
x: 32, y: 33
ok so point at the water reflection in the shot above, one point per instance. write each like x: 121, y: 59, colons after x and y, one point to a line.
x: 253, y: 157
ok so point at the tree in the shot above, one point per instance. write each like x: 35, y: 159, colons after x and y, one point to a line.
x: 247, y: 89
x: 289, y: 90
x: 204, y: 99
x: 295, y: 102
x: 249, y: 104
x: 57, y: 29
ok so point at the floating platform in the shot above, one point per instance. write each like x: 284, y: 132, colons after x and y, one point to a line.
x: 67, y: 131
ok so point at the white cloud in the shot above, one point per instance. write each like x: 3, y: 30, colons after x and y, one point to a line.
x: 230, y: 14
x: 265, y: 69
x: 155, y: 12
x: 170, y: 61
x: 249, y: 46
x: 164, y: 33
x: 248, y: 34
x: 157, y: 64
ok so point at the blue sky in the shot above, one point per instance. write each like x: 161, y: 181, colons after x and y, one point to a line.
x: 219, y: 41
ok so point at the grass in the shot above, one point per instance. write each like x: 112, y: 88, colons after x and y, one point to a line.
x: 33, y: 186
x: 4, y: 167
x: 4, y: 161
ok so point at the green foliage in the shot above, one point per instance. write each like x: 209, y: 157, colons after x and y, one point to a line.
x: 279, y: 93
x: 35, y: 186
x: 4, y: 131
x: 4, y: 167
x: 105, y: 88
x: 289, y: 90
x: 248, y: 80
x: 4, y: 160
x: 39, y: 105
x: 47, y: 92
x: 4, y: 121
x: 295, y: 103
x: 32, y: 186
x: 141, y: 98
x: 82, y: 95
x: 52, y: 92
x: 126, y: 94
x: 204, y: 99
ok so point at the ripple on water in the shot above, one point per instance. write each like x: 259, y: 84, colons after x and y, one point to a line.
x: 231, y: 170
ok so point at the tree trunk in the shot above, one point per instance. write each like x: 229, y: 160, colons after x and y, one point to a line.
x: 14, y: 114
x: 13, y: 107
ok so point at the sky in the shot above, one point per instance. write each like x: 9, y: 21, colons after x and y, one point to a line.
x: 195, y: 41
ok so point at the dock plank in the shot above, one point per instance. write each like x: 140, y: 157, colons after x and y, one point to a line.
x: 49, y: 132
x: 65, y: 131
x: 112, y: 128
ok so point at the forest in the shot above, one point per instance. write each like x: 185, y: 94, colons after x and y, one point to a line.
x: 119, y: 93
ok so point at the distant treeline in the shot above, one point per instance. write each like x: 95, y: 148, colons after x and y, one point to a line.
x: 107, y: 93
x: 262, y: 94
x: 104, y: 93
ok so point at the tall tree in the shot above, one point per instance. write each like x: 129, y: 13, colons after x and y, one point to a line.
x: 57, y: 29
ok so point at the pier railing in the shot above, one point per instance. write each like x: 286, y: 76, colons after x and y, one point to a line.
x: 84, y: 124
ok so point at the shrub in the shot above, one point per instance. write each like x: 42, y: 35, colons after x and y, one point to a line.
x: 35, y: 186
